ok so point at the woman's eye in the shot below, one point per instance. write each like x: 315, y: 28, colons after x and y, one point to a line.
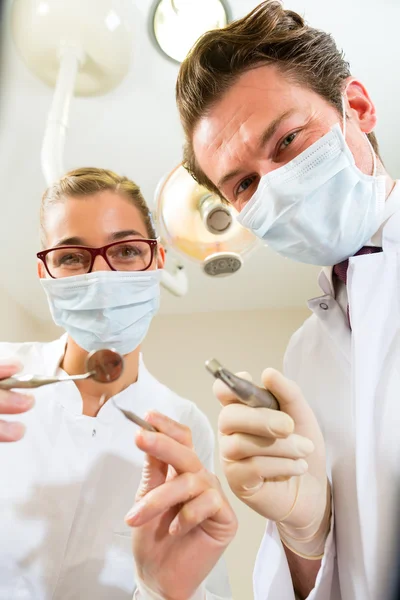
x: 70, y: 259
x: 288, y: 140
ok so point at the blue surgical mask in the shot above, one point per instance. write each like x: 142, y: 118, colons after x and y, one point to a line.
x: 319, y: 208
x: 105, y: 309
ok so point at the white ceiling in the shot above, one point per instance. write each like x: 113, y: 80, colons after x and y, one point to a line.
x: 135, y: 130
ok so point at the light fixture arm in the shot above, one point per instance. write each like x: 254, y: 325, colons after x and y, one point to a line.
x: 176, y: 282
x: 52, y: 154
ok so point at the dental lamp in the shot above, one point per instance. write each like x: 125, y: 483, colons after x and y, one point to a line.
x: 200, y: 226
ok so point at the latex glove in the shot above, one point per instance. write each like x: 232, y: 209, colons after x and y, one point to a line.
x: 182, y: 520
x: 142, y: 592
x: 12, y: 403
x: 274, y: 461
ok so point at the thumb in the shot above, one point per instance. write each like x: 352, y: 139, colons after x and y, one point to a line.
x: 289, y: 396
x: 154, y: 473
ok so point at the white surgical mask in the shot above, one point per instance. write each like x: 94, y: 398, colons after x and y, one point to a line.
x: 319, y: 208
x: 102, y: 309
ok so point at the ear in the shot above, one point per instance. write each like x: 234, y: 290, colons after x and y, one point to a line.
x: 41, y: 271
x: 359, y: 105
x: 160, y: 257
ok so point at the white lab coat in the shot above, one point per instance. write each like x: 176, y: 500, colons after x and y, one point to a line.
x: 66, y: 487
x: 352, y: 381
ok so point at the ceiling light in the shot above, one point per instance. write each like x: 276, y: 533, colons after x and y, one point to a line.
x: 177, y: 24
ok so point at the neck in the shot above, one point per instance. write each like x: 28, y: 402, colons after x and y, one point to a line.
x: 73, y: 363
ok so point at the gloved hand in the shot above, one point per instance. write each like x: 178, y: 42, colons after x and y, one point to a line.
x: 12, y: 403
x: 182, y: 521
x: 274, y: 462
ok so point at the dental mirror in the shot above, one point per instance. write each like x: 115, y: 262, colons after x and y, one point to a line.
x: 104, y: 366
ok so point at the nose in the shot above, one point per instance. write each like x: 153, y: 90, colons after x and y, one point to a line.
x: 100, y: 264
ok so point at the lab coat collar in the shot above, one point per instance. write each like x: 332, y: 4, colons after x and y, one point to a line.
x: 53, y: 353
x: 325, y: 281
x: 392, y: 205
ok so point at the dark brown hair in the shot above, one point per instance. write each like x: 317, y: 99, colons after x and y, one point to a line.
x: 88, y: 181
x: 269, y: 35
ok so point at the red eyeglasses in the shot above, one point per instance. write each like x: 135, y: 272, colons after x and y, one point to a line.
x: 129, y: 255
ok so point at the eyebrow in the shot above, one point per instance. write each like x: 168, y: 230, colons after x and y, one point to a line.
x: 262, y: 142
x: 114, y: 237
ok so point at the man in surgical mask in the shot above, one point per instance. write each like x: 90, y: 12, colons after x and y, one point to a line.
x: 276, y: 124
x: 68, y: 487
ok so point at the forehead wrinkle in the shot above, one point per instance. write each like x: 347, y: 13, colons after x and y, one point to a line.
x: 223, y: 145
x: 218, y: 142
x: 244, y: 139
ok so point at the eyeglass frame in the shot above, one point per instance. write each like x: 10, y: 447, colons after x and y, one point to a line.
x: 95, y: 252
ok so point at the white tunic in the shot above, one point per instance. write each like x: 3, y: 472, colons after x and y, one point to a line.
x: 352, y: 381
x: 66, y: 487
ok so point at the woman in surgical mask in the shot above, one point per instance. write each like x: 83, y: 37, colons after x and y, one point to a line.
x: 100, y: 269
x: 68, y: 485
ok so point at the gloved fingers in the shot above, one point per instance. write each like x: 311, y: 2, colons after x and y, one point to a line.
x: 242, y: 445
x: 264, y: 422
x: 250, y: 474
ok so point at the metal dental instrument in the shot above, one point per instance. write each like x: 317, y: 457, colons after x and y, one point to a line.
x: 104, y: 366
x: 246, y: 391
x: 134, y: 418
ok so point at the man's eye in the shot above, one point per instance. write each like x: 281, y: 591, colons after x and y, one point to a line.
x: 244, y: 185
x: 288, y: 140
